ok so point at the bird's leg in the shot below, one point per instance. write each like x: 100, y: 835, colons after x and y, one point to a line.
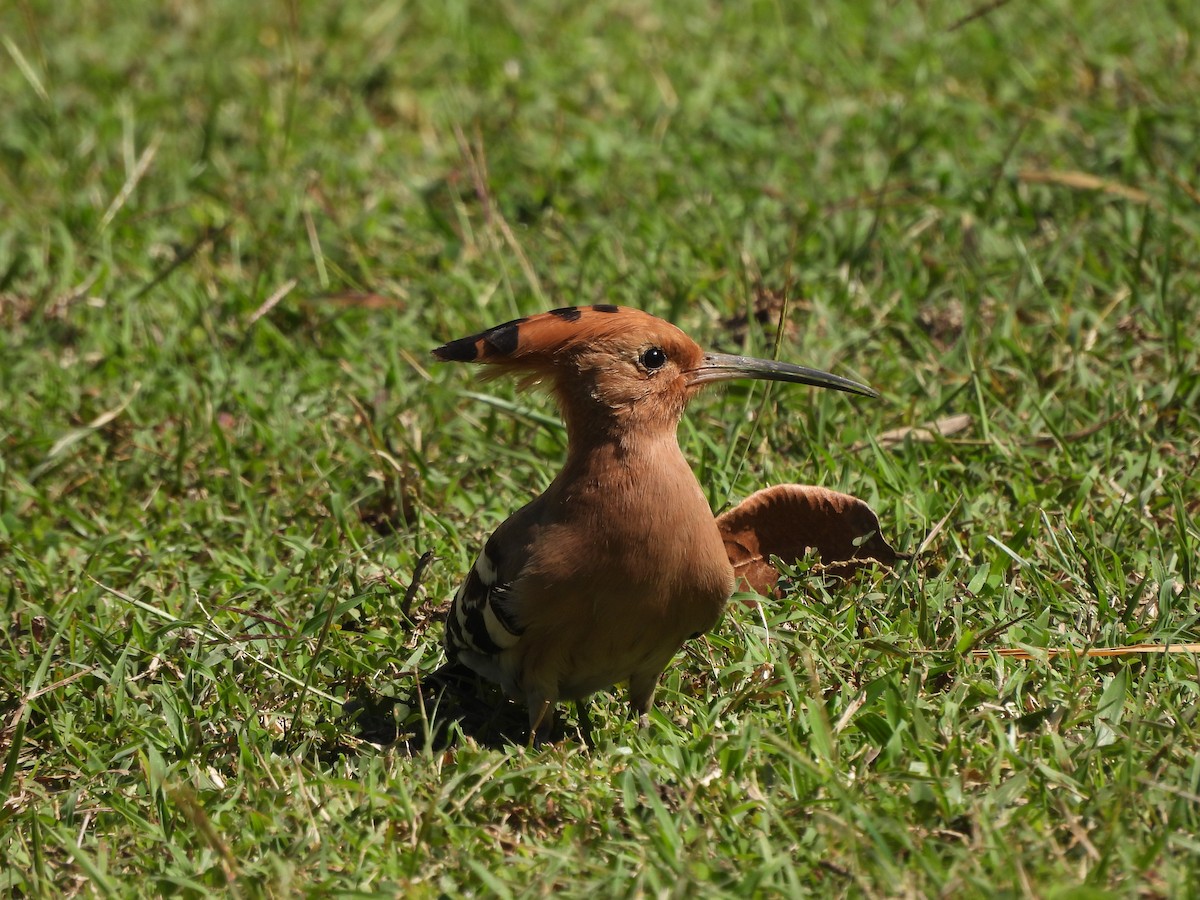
x: 641, y: 697
x: 585, y: 723
x: 541, y: 717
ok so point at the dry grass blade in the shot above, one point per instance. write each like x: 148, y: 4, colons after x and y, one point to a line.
x: 477, y: 164
x: 359, y: 300
x: 1188, y: 189
x: 1083, y: 181
x: 135, y: 176
x: 75, y: 435
x: 938, y: 528
x: 415, y: 585
x: 1131, y: 650
x: 271, y: 302
x: 978, y: 13
x: 26, y: 69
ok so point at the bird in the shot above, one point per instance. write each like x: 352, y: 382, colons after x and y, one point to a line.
x: 602, y: 578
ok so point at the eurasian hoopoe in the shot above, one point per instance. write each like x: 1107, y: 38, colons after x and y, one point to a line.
x: 602, y: 578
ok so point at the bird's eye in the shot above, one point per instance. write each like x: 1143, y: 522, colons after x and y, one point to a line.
x: 653, y: 358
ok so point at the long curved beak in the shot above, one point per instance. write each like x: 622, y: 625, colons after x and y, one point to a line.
x: 725, y: 367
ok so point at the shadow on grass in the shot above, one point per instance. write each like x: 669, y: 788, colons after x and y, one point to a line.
x: 445, y: 706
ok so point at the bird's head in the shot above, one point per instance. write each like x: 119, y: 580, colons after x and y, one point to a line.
x: 613, y: 365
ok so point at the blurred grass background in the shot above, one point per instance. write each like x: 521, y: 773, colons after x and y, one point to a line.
x: 229, y: 235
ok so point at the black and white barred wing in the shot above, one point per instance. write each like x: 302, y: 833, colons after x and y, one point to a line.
x: 483, y: 618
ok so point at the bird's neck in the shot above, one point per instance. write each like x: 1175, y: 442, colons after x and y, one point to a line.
x: 595, y: 447
x: 630, y: 493
x: 629, y: 483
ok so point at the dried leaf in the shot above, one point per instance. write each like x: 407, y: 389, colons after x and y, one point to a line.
x: 787, y: 520
x: 920, y: 434
x: 943, y: 427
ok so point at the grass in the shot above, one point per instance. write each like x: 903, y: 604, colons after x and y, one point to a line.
x: 230, y: 233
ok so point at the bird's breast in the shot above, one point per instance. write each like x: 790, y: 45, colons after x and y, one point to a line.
x: 635, y: 541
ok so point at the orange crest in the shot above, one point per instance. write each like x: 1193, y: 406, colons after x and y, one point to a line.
x: 544, y: 339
